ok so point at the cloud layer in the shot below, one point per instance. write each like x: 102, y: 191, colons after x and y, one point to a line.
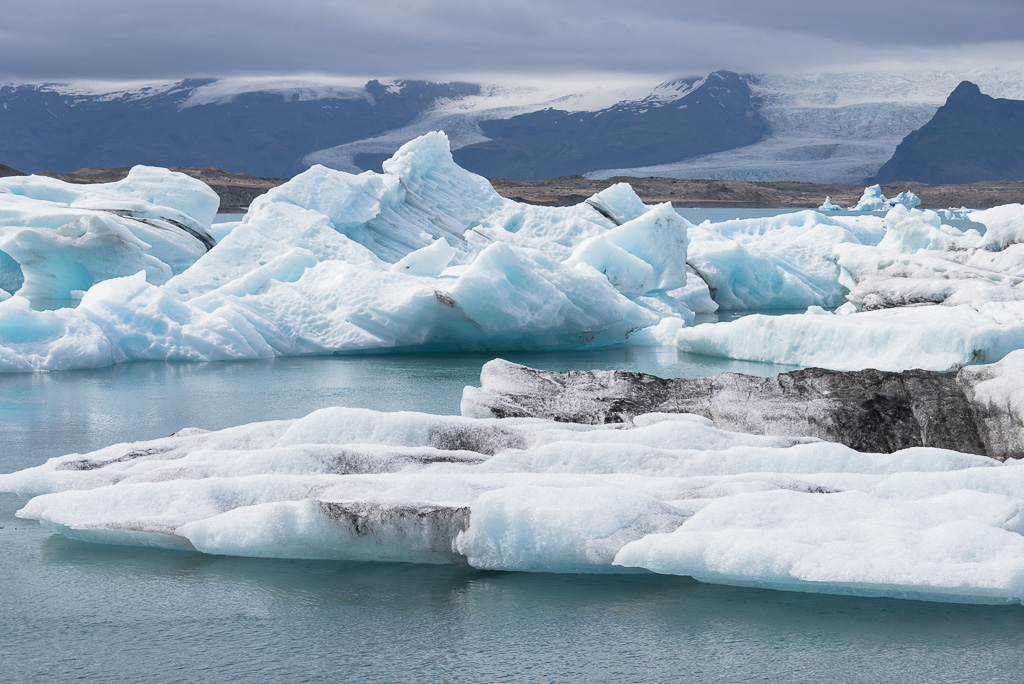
x: 119, y: 39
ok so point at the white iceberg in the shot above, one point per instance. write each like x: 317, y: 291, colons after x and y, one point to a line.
x: 931, y: 337
x: 667, y: 493
x: 828, y: 206
x: 58, y: 239
x: 424, y: 256
x: 926, y: 295
x: 427, y: 256
x: 778, y: 262
x: 871, y: 199
x: 906, y: 199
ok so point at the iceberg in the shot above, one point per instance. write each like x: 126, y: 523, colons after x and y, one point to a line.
x: 828, y: 206
x: 926, y: 295
x: 661, y: 492
x: 872, y: 199
x: 423, y: 256
x: 906, y: 199
x: 973, y: 411
x: 778, y: 262
x: 428, y: 257
x: 58, y: 239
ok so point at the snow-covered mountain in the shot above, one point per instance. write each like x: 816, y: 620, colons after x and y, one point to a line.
x: 835, y: 127
x: 826, y: 127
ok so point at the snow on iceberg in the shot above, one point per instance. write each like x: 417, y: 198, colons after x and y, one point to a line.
x: 424, y: 256
x: 58, y: 239
x: 668, y: 493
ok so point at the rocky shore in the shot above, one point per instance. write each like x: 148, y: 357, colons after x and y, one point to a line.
x: 237, y: 190
x: 570, y: 190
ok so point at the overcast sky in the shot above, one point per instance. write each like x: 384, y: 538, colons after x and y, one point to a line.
x: 154, y: 39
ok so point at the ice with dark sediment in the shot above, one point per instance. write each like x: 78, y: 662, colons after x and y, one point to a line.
x: 58, y: 239
x: 663, y: 492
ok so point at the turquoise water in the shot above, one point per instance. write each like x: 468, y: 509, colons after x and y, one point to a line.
x: 74, y: 611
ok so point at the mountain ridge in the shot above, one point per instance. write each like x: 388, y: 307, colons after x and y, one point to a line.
x: 826, y: 128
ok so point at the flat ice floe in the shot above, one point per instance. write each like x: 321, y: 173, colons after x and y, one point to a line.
x: 663, y: 493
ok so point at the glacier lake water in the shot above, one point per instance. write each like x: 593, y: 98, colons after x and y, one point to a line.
x: 76, y: 611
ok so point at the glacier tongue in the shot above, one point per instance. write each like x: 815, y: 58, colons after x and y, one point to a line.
x: 668, y: 493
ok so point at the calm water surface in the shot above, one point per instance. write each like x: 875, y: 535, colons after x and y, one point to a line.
x: 74, y: 611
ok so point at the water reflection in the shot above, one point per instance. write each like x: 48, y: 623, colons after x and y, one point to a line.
x: 50, y: 414
x: 161, y: 613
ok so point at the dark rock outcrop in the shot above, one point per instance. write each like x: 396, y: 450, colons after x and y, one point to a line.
x: 870, y: 410
x: 971, y: 138
x: 8, y: 171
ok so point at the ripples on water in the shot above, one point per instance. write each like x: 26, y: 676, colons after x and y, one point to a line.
x: 79, y: 611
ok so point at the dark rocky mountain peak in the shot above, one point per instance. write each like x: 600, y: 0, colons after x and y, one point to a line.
x: 972, y: 138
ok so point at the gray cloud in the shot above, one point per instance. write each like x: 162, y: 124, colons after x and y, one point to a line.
x: 119, y: 39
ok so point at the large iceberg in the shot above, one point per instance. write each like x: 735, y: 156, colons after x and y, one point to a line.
x: 423, y: 256
x: 668, y: 493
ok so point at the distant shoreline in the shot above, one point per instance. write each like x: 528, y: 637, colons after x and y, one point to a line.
x: 737, y: 194
x: 238, y: 190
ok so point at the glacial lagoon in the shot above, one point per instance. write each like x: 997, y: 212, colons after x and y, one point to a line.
x: 70, y: 610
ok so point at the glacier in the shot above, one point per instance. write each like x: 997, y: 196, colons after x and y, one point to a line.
x: 667, y: 493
